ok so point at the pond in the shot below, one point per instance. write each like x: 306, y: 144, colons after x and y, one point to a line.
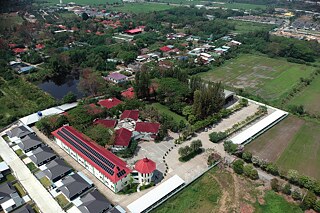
x: 61, y: 85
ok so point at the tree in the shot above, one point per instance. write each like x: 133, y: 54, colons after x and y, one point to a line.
x: 84, y: 16
x: 91, y: 83
x: 309, y: 200
x: 275, y: 185
x: 238, y: 166
x: 317, y: 206
x: 287, y: 189
x: 272, y: 168
x: 184, y: 151
x: 70, y: 97
x: 247, y: 156
x: 142, y: 84
x: 195, y: 145
x: 230, y: 147
x: 249, y: 171
x: 293, y: 176
x: 215, y: 137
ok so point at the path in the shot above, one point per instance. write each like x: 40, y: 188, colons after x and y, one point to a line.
x: 36, y: 191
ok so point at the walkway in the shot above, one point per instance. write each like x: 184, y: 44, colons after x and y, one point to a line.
x: 36, y: 191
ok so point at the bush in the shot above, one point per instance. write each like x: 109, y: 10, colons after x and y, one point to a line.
x: 275, y: 185
x: 309, y: 200
x: 306, y: 182
x: 215, y: 137
x: 317, y: 206
x: 230, y: 147
x: 273, y: 169
x: 213, y: 158
x: 249, y: 171
x: 287, y: 189
x: 247, y: 156
x: 296, y: 194
x: 238, y: 166
x: 70, y: 97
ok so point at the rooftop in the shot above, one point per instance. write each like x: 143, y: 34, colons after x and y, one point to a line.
x: 123, y: 137
x: 94, y: 202
x: 147, y: 127
x: 133, y: 114
x: 109, y: 103
x: 145, y: 166
x: 116, y: 76
x: 106, y: 123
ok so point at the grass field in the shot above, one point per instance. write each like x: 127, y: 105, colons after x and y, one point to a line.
x: 309, y: 97
x: 291, y: 144
x: 268, y: 77
x: 62, y: 200
x: 141, y: 7
x: 164, y: 109
x: 45, y: 182
x: 276, y: 204
x: 84, y: 2
x: 245, y: 27
x: 19, y: 189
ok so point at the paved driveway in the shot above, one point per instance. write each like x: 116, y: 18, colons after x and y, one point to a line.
x: 36, y: 191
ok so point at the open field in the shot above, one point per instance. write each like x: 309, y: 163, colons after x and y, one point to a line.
x: 309, y: 97
x: 141, y: 7
x: 163, y: 109
x: 268, y: 77
x: 245, y: 27
x: 223, y: 191
x: 291, y: 144
x: 84, y: 2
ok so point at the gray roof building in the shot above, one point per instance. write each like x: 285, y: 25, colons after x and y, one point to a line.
x: 42, y: 155
x: 73, y: 186
x: 24, y: 209
x: 6, y: 192
x: 30, y: 142
x: 19, y: 132
x: 94, y: 202
x: 56, y: 170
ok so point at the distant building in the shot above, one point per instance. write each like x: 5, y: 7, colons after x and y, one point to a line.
x: 117, y: 78
x: 94, y: 202
x: 110, y: 102
x: 129, y: 93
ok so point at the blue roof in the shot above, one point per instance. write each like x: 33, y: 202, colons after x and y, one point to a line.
x: 25, y: 69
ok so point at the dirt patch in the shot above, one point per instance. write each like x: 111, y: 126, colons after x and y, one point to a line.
x: 271, y: 144
x: 246, y: 208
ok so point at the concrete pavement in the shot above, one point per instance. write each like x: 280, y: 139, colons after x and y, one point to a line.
x: 36, y: 191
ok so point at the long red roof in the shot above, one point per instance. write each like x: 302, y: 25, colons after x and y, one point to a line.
x: 133, y: 114
x: 119, y: 164
x: 145, y: 166
x: 147, y: 127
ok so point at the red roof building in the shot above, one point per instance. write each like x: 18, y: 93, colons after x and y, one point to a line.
x: 109, y: 103
x: 108, y: 164
x: 147, y: 127
x: 145, y: 166
x: 106, y: 123
x: 165, y: 49
x: 134, y: 31
x: 132, y: 114
x: 129, y: 93
x: 123, y: 137
x: 40, y: 46
x: 19, y: 50
x: 12, y: 45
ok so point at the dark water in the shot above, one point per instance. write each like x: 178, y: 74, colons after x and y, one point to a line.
x: 60, y: 86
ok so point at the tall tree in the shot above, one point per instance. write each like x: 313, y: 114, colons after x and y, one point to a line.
x: 142, y: 84
x: 91, y: 83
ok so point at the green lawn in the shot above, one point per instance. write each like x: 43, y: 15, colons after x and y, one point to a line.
x: 268, y: 77
x: 62, y: 200
x: 19, y: 152
x: 19, y: 189
x: 201, y: 196
x: 45, y: 182
x: 309, y: 97
x: 141, y: 7
x: 276, y: 204
x: 10, y: 177
x: 303, y: 152
x: 165, y: 110
x: 31, y: 166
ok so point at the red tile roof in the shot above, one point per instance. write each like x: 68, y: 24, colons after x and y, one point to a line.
x: 39, y: 46
x: 19, y: 50
x: 119, y: 165
x: 129, y: 93
x: 109, y: 103
x: 145, y: 166
x: 133, y: 31
x: 165, y: 49
x: 133, y: 114
x: 123, y: 137
x: 12, y: 45
x: 106, y: 123
x: 147, y: 127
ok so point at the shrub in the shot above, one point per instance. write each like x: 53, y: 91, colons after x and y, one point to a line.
x: 249, y: 171
x: 247, y: 156
x: 230, y: 147
x: 309, y: 200
x: 273, y: 169
x: 317, y: 206
x: 293, y: 176
x: 213, y: 158
x: 296, y: 194
x: 275, y: 185
x: 287, y: 189
x: 238, y: 166
x: 215, y: 137
x: 306, y: 182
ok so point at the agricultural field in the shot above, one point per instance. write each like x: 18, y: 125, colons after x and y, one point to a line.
x: 309, y: 97
x: 291, y: 144
x: 140, y: 7
x: 267, y: 77
x: 165, y: 110
x: 222, y: 191
x: 84, y: 2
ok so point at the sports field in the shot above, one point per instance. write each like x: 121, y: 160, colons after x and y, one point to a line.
x: 141, y: 7
x: 268, y: 77
x: 292, y: 144
x: 309, y: 97
x: 165, y: 110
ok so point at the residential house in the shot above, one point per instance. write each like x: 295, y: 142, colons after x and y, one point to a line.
x: 109, y: 103
x: 4, y: 170
x: 30, y: 142
x: 42, y: 155
x: 19, y: 132
x: 57, y: 169
x: 94, y: 202
x: 122, y: 139
x: 73, y: 186
x: 24, y: 209
x: 116, y: 78
x: 130, y: 115
x: 146, y: 131
x: 9, y: 197
x: 129, y: 93
x: 110, y: 124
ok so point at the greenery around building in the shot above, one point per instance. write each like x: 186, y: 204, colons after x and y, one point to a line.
x: 188, y: 152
